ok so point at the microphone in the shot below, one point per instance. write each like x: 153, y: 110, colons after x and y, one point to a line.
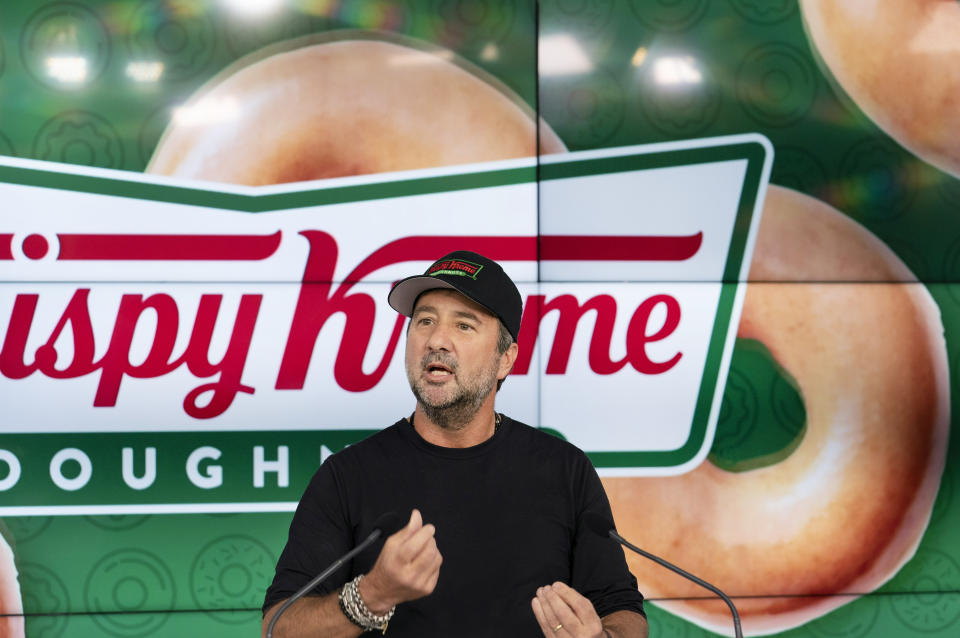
x: 603, y: 526
x: 386, y: 525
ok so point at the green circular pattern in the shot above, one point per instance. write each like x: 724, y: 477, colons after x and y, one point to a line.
x: 856, y: 619
x: 579, y: 17
x: 930, y: 604
x: 679, y: 111
x: 118, y: 522
x: 671, y: 16
x: 951, y: 273
x: 949, y: 190
x: 788, y: 409
x: 45, y: 599
x: 79, y: 137
x: 6, y: 146
x: 944, y: 502
x: 129, y: 580
x: 776, y: 85
x: 380, y: 15
x: 151, y: 131
x: 468, y: 24
x: 798, y: 169
x: 912, y: 256
x: 765, y: 11
x: 68, y: 30
x: 231, y: 572
x: 738, y: 413
x: 586, y: 111
x: 877, y: 180
x: 168, y: 31
x: 26, y: 528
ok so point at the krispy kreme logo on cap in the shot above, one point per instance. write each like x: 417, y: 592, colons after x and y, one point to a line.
x: 176, y: 341
x: 455, y: 267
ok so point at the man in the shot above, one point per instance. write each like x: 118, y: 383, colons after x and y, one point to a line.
x: 494, y: 544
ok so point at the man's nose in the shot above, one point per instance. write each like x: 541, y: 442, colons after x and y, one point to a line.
x: 439, y: 338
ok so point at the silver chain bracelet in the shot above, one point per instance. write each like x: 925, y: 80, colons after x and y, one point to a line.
x: 357, y: 612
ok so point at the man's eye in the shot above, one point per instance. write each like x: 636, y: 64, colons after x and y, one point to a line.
x: 466, y: 326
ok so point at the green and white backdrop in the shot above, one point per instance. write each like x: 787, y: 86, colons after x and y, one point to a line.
x: 177, y: 356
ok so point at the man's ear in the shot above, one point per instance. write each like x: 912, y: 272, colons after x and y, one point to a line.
x: 507, y: 360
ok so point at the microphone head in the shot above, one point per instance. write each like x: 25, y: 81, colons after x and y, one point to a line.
x: 598, y: 523
x: 388, y: 523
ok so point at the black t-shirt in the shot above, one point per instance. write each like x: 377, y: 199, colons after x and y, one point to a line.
x: 508, y: 517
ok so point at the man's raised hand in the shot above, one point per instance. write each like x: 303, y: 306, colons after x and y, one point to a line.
x: 562, y: 612
x: 408, y: 567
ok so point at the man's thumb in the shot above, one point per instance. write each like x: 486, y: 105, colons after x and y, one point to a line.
x: 415, y: 522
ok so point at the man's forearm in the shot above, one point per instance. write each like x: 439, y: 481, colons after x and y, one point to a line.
x: 311, y: 616
x: 624, y: 624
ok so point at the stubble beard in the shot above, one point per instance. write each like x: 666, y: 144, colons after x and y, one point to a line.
x: 453, y: 413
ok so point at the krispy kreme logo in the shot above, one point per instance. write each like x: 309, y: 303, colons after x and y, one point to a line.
x: 457, y: 267
x: 317, y: 302
x: 133, y: 306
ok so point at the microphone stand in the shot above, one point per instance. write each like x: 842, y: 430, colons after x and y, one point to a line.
x: 733, y: 610
x: 374, y: 535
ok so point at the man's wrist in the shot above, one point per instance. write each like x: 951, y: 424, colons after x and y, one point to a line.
x: 355, y: 609
x: 372, y: 597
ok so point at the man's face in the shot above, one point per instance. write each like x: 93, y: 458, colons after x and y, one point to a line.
x: 451, y: 358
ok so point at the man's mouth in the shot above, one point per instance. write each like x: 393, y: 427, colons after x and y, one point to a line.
x: 437, y: 371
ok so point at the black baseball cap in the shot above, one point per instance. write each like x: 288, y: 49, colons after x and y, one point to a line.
x: 472, y: 275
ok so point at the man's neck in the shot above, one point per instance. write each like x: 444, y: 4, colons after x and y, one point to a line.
x: 477, y: 430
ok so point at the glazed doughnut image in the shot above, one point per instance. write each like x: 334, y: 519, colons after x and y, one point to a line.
x: 847, y: 508
x: 345, y: 107
x: 899, y: 61
x: 11, y: 623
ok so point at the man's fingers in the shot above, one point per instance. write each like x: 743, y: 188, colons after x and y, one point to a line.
x: 541, y: 618
x: 556, y: 608
x: 416, y: 543
x: 424, y: 561
x: 432, y: 573
x: 580, y: 605
x: 415, y: 522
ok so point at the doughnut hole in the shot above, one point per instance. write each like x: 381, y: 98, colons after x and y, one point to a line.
x: 762, y: 418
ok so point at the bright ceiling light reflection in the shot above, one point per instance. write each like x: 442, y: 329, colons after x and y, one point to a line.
x: 639, y: 56
x: 416, y: 58
x: 490, y: 52
x: 207, y: 111
x: 252, y: 8
x: 69, y: 69
x: 144, y: 71
x: 676, y: 70
x: 561, y: 54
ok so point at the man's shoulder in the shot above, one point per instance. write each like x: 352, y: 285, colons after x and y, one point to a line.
x: 382, y: 442
x: 544, y: 439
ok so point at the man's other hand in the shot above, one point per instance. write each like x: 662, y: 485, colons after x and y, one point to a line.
x: 408, y: 567
x: 562, y: 612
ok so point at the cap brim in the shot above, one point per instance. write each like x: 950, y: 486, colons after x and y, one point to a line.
x: 405, y: 293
